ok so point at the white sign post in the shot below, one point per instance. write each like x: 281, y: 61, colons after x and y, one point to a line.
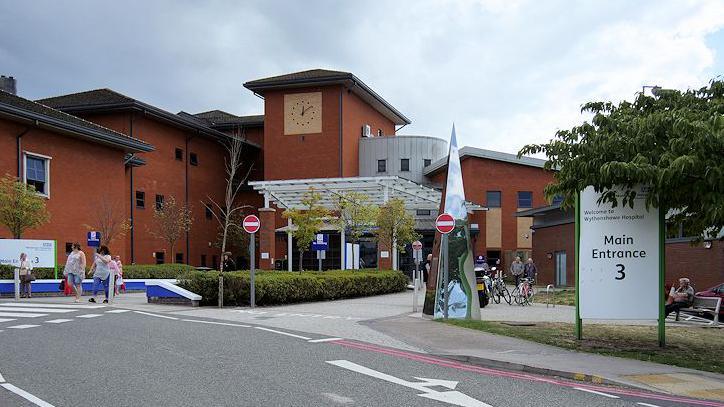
x: 619, y: 259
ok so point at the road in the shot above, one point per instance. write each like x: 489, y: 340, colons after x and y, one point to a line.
x: 72, y: 356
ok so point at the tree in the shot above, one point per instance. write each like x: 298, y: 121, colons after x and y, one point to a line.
x: 21, y: 208
x: 395, y: 226
x: 307, y: 221
x: 110, y: 219
x: 356, y: 215
x: 171, y: 221
x: 672, y: 142
x: 237, y: 239
x: 225, y: 211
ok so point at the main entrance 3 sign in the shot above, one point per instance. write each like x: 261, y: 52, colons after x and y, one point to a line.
x: 618, y: 269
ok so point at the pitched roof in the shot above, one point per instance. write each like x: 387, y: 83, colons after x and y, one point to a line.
x: 487, y: 154
x: 102, y: 100
x: 322, y: 77
x: 220, y: 118
x: 27, y: 110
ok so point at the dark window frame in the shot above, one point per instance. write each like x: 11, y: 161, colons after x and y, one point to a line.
x: 194, y: 159
x: 423, y: 212
x: 203, y: 260
x: 159, y: 201
x: 426, y: 162
x: 523, y: 201
x: 179, y: 256
x: 493, y: 204
x: 381, y: 164
x: 141, y: 199
x: 160, y: 257
x: 179, y: 154
x: 404, y: 165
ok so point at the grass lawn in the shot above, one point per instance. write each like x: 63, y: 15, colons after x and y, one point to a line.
x: 561, y: 297
x: 693, y: 347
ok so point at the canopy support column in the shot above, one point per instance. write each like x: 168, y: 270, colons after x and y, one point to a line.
x: 343, y: 249
x: 289, y: 244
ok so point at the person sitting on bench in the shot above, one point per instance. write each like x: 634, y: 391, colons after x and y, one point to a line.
x: 682, y: 297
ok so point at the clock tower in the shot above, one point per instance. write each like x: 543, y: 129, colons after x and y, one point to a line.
x: 313, y: 121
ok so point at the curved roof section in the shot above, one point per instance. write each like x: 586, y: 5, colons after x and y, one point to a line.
x: 323, y: 77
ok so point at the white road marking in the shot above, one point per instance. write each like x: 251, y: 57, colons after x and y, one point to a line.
x: 338, y: 399
x: 57, y: 321
x: 597, y: 392
x: 216, y: 323
x: 23, y: 326
x: 33, y: 309
x: 27, y: 396
x: 154, y: 315
x: 507, y: 351
x: 21, y: 315
x: 324, y: 340
x: 118, y: 311
x: 450, y: 397
x: 647, y: 405
x: 2, y: 379
x: 89, y: 315
x: 39, y: 305
x: 282, y: 333
x: 6, y: 319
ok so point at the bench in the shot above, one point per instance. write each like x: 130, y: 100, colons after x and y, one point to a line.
x: 701, y: 306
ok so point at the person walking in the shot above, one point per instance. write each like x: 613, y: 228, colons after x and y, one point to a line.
x: 517, y: 269
x: 426, y: 273
x: 101, y: 272
x: 228, y: 263
x: 26, y: 276
x: 119, y: 274
x: 531, y: 271
x: 74, y: 270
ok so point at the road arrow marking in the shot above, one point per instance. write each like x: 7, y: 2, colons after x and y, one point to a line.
x: 450, y: 397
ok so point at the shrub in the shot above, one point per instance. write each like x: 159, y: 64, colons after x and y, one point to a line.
x: 130, y: 271
x: 281, y: 287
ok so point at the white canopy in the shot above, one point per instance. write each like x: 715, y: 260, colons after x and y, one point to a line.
x: 289, y: 193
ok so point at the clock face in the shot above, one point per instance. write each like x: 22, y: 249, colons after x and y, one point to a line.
x: 303, y: 113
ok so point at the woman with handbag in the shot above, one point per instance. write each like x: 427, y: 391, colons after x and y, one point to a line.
x: 74, y: 270
x: 26, y: 276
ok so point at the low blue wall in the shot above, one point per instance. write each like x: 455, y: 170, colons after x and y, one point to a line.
x: 52, y: 286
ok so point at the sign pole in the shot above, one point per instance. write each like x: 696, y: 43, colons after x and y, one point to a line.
x: 414, y: 283
x: 662, y: 277
x: 319, y: 258
x: 16, y: 280
x: 55, y: 258
x: 579, y: 323
x: 446, y: 276
x: 252, y: 290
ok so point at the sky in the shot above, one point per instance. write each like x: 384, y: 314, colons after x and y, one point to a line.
x: 506, y: 72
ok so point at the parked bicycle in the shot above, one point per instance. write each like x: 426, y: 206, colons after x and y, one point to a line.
x: 524, y: 292
x: 499, y: 290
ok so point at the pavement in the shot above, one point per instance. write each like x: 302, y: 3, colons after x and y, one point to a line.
x: 388, y: 323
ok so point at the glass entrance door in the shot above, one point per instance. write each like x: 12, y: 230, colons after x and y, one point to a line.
x: 561, y: 269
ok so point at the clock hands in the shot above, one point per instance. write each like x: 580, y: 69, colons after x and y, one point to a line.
x: 305, y: 109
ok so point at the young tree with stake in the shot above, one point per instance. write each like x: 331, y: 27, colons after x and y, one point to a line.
x: 356, y: 216
x: 171, y: 221
x: 308, y: 220
x: 21, y: 208
x: 395, y: 226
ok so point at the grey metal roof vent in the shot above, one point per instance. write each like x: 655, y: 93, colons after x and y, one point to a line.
x: 8, y: 84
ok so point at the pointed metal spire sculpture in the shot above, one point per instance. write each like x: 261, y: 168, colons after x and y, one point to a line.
x: 461, y: 287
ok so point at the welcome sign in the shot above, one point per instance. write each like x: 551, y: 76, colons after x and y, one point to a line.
x: 41, y: 253
x: 618, y: 258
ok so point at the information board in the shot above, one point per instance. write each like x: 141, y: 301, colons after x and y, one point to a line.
x: 41, y: 253
x: 618, y: 260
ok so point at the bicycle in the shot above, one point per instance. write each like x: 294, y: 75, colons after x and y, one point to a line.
x: 524, y: 292
x: 500, y: 290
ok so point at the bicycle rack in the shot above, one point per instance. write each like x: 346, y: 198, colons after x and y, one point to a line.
x: 548, y: 295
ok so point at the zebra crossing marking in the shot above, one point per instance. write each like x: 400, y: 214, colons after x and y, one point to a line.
x: 6, y: 319
x: 21, y: 315
x: 33, y: 309
x: 89, y: 315
x: 23, y: 326
x: 118, y: 311
x: 57, y: 321
x: 41, y: 305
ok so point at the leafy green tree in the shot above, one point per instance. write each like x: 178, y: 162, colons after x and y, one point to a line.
x: 395, y: 226
x: 21, y: 208
x: 672, y: 141
x: 307, y: 221
x: 356, y: 215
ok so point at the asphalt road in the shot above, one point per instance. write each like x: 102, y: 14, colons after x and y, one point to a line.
x: 144, y: 359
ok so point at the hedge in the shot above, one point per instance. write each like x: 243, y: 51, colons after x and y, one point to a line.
x: 282, y: 287
x: 130, y: 271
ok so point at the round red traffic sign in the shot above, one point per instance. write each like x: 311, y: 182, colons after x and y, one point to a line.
x: 445, y: 223
x: 417, y: 245
x: 251, y: 224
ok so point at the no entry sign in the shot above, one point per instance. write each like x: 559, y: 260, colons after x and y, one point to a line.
x: 417, y: 245
x: 445, y: 223
x: 251, y: 224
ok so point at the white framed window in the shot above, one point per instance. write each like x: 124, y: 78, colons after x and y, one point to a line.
x: 37, y: 172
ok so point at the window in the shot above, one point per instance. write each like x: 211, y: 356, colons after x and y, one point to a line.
x: 381, y: 165
x: 525, y: 199
x: 68, y: 247
x: 159, y: 202
x: 140, y: 199
x: 380, y: 133
x: 203, y: 260
x: 179, y: 258
x: 493, y: 199
x: 37, y: 173
x: 423, y: 212
x: 557, y: 199
x: 405, y: 164
x: 179, y: 154
x: 209, y: 215
x: 426, y: 162
x: 214, y: 262
x: 160, y: 257
x: 193, y: 159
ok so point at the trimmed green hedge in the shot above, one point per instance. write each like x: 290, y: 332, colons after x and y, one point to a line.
x: 282, y: 287
x: 130, y: 271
